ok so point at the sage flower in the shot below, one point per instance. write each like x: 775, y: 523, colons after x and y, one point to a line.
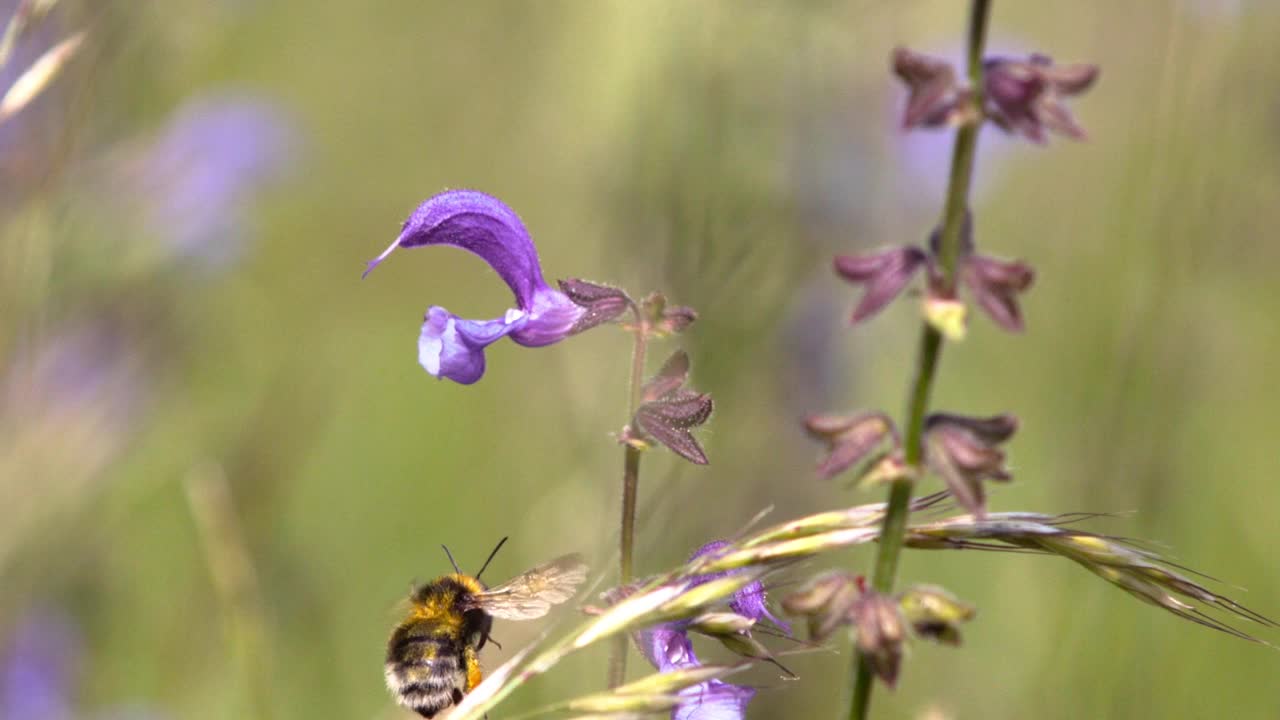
x: 750, y: 601
x: 451, y: 346
x: 667, y: 647
x: 195, y: 181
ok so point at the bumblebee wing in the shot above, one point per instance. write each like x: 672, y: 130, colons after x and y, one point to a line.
x: 532, y: 594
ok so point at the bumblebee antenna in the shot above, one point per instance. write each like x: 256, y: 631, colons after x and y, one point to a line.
x: 495, y: 552
x: 451, y: 561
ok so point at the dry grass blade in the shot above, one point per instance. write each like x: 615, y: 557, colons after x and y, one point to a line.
x: 1138, y: 571
x: 690, y: 590
x: 36, y: 78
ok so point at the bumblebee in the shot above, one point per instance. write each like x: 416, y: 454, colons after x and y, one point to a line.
x: 433, y: 655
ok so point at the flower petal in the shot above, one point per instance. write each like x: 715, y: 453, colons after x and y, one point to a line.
x: 995, y: 284
x: 750, y: 601
x: 884, y: 273
x: 713, y: 700
x: 552, y: 318
x: 932, y: 85
x: 480, y: 224
x: 667, y: 647
x: 453, y: 347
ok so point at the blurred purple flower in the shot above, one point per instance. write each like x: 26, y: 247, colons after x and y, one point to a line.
x: 199, y: 175
x: 453, y: 347
x: 89, y: 368
x: 69, y: 405
x: 37, y: 670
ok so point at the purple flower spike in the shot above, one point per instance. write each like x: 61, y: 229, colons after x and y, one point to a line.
x: 453, y: 347
x: 37, y: 669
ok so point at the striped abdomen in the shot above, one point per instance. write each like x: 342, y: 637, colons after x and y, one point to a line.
x: 427, y: 668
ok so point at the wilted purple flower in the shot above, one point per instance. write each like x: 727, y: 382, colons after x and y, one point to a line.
x: 1024, y: 97
x: 196, y: 179
x: 935, y: 92
x: 453, y: 347
x: 964, y: 452
x: 995, y: 284
x: 850, y: 439
x: 884, y: 274
x: 37, y: 669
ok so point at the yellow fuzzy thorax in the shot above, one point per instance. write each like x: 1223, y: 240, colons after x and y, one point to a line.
x: 441, y: 599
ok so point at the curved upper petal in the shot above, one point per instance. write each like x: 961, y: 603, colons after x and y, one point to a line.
x: 453, y: 347
x: 483, y: 225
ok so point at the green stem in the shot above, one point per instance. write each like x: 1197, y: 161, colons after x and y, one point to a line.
x: 930, y: 349
x: 630, y: 491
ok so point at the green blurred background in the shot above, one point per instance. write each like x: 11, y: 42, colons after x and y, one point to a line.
x: 188, y: 340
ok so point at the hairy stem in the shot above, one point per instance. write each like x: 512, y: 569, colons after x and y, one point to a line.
x: 930, y: 349
x: 630, y: 490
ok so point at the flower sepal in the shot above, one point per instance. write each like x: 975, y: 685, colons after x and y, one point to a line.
x: 668, y: 412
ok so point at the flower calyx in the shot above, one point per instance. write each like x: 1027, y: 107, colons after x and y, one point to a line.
x: 601, y: 303
x: 668, y: 412
x: 1022, y: 96
x: 964, y: 451
x: 994, y: 283
x: 857, y: 441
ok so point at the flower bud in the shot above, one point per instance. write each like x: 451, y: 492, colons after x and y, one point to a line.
x: 602, y: 303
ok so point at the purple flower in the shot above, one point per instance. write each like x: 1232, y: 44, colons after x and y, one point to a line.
x: 1025, y: 97
x: 196, y: 178
x: 453, y: 347
x: 37, y: 669
x: 995, y: 283
x: 668, y: 648
x: 713, y: 700
x: 750, y: 601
